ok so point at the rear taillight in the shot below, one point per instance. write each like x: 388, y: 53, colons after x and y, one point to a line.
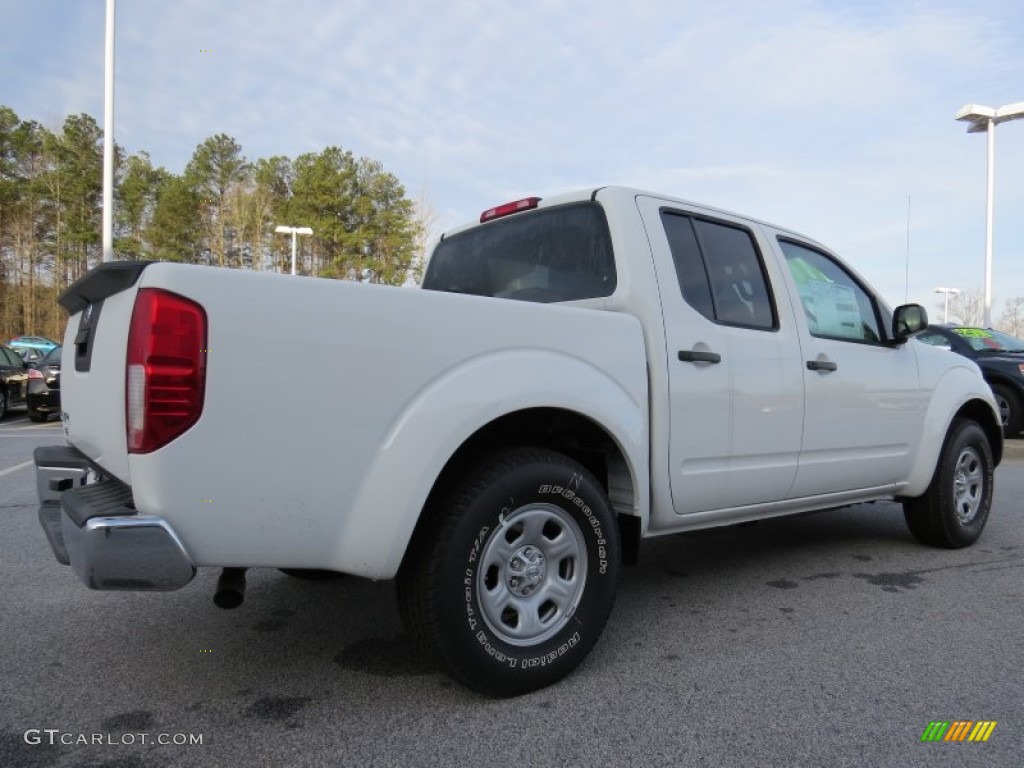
x: 166, y: 374
x: 34, y: 373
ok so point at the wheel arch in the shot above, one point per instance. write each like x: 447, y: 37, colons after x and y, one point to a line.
x: 559, y: 429
x: 980, y: 412
x: 976, y: 409
x: 956, y: 392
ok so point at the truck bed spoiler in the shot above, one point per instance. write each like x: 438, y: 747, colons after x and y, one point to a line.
x: 100, y: 282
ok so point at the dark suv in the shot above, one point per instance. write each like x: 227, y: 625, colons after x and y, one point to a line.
x: 1001, y: 359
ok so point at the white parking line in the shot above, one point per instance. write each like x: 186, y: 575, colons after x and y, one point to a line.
x: 15, y: 468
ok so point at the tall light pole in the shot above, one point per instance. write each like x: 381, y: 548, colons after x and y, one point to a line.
x: 945, y: 305
x: 108, y: 137
x: 293, y: 231
x: 986, y: 119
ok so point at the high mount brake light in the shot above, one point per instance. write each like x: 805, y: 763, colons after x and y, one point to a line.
x: 166, y: 374
x: 526, y: 204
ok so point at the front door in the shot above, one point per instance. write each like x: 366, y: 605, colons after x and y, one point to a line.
x: 864, y: 403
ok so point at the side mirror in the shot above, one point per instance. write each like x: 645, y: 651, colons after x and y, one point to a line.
x: 907, y: 320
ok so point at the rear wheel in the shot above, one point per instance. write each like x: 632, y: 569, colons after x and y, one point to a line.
x: 953, y: 511
x: 37, y: 415
x: 512, y: 575
x: 1009, y: 409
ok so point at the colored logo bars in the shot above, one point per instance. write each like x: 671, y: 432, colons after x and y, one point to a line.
x: 958, y: 730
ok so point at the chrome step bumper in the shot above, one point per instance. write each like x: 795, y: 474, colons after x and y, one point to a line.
x: 97, y: 530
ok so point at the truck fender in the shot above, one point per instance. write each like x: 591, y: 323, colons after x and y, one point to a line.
x: 958, y: 389
x: 432, y: 426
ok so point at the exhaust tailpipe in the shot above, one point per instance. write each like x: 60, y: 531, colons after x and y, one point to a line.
x: 230, y: 588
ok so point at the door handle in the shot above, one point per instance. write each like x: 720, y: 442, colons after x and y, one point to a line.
x: 821, y: 365
x: 694, y: 356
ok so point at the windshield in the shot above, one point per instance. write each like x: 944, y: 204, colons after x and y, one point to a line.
x: 553, y: 254
x: 987, y: 340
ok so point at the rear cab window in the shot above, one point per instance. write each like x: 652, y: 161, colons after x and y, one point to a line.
x: 562, y: 253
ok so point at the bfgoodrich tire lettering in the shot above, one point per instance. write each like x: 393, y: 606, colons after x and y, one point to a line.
x: 953, y: 511
x: 513, y: 573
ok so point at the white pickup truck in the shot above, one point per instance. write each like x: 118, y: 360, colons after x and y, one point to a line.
x: 576, y: 374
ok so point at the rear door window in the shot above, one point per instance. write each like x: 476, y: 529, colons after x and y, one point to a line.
x: 554, y: 254
x: 720, y: 271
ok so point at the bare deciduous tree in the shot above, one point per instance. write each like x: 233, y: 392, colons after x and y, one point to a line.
x: 968, y: 307
x: 1012, y: 319
x: 426, y: 221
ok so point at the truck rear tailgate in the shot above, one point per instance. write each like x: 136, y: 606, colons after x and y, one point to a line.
x: 93, y: 375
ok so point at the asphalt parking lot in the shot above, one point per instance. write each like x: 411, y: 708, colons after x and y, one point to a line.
x: 822, y: 640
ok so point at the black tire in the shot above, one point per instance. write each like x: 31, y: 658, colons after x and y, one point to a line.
x: 37, y: 416
x: 310, y: 574
x: 511, y: 576
x: 953, y: 511
x: 3, y: 403
x: 1009, y: 409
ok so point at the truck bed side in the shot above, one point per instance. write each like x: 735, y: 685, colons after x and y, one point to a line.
x: 331, y: 407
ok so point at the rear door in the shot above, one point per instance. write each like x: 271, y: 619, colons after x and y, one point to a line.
x: 735, y: 381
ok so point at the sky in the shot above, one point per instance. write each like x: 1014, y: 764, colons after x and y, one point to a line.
x: 833, y: 118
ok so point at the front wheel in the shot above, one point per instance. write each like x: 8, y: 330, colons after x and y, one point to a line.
x: 512, y: 574
x: 953, y: 511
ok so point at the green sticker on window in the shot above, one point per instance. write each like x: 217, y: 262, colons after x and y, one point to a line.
x: 972, y: 333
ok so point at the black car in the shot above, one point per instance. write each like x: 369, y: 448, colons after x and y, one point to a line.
x: 44, y: 386
x: 13, y: 379
x: 1001, y: 359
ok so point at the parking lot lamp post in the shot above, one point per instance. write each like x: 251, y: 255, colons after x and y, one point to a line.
x: 293, y: 231
x: 986, y: 119
x: 107, y: 218
x: 945, y: 304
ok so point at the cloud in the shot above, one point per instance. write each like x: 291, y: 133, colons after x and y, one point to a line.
x: 816, y: 114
